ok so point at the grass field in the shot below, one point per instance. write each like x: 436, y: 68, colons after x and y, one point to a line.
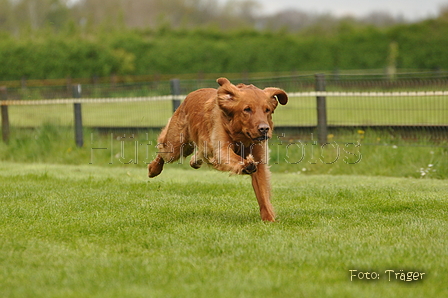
x: 368, y: 153
x: 108, y: 231
x: 300, y: 111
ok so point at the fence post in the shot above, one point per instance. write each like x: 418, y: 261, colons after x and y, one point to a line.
x: 5, y: 115
x: 23, y: 82
x: 79, y: 138
x: 321, y: 109
x: 175, y: 91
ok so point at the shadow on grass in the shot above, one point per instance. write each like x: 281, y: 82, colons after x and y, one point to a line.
x: 220, y: 217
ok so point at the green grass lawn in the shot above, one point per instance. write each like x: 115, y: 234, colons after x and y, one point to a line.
x: 125, y: 114
x: 108, y: 231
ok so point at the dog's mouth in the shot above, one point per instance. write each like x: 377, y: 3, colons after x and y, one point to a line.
x: 262, y: 138
x: 258, y: 139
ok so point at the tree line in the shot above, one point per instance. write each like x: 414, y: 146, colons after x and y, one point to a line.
x: 17, y: 14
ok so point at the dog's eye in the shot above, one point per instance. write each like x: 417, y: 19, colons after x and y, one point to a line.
x: 267, y: 110
x: 248, y: 110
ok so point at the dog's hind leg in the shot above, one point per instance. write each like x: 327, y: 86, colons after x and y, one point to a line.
x: 172, y: 144
x: 155, y: 167
x: 167, y: 153
x: 196, y: 159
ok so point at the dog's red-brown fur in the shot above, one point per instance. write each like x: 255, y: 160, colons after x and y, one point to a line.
x: 226, y: 128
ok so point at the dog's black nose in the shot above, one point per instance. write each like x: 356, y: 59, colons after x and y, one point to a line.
x: 263, y: 128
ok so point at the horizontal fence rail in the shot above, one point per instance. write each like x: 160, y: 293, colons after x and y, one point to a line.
x: 367, y: 94
x: 90, y: 100
x: 181, y: 97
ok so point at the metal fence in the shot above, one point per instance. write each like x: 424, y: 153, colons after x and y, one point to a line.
x: 409, y: 107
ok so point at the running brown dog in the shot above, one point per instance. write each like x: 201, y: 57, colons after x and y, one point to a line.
x: 226, y: 128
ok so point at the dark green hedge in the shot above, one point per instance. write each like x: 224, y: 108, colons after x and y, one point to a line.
x: 142, y: 52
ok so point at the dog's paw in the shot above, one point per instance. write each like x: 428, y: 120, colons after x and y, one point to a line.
x: 250, y: 165
x: 267, y: 215
x: 195, y: 163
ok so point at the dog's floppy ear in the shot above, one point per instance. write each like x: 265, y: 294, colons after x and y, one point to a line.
x: 227, y: 89
x: 222, y: 81
x: 277, y: 94
x: 227, y: 95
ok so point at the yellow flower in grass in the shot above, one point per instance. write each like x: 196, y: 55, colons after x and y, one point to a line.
x: 361, y: 133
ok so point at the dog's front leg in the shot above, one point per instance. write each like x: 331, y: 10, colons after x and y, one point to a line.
x: 262, y: 188
x: 225, y: 159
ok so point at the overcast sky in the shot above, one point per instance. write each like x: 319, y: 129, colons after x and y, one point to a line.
x: 410, y: 9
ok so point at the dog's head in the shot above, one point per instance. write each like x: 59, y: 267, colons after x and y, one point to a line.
x: 249, y: 109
